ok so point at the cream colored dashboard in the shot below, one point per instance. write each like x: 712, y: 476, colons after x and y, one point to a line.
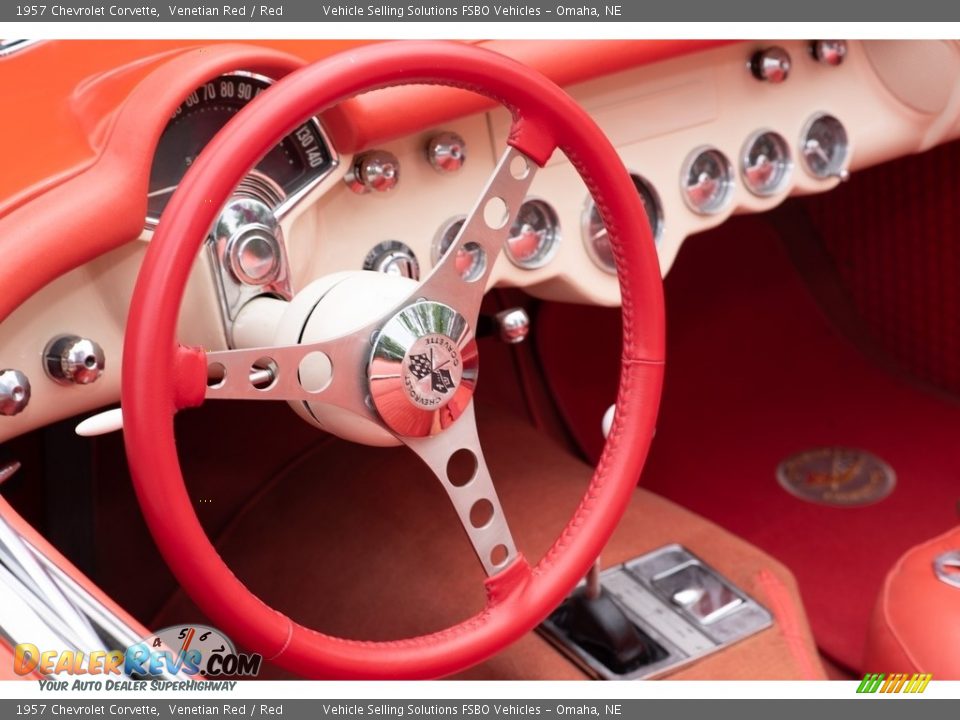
x: 884, y: 93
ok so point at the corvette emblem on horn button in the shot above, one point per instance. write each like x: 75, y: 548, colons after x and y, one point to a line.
x: 423, y: 369
x: 439, y: 363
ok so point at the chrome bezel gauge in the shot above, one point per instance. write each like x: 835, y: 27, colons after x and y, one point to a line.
x: 829, y: 162
x: 591, y: 223
x: 548, y: 233
x: 717, y: 201
x: 774, y: 176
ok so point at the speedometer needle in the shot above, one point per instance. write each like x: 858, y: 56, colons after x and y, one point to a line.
x: 162, y: 191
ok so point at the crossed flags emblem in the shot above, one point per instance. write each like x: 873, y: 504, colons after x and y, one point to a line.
x: 421, y: 366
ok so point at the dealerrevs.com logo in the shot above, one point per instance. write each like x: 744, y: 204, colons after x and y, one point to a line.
x: 894, y: 683
x: 193, y: 652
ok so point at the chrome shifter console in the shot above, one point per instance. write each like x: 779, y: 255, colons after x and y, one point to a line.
x: 681, y: 605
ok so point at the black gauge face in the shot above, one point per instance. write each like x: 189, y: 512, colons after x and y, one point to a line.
x: 291, y: 166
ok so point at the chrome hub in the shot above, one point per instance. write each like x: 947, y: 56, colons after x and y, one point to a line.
x: 423, y: 369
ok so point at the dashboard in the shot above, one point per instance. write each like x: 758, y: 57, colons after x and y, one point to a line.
x: 705, y: 133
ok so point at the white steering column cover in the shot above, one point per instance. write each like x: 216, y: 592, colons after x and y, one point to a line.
x: 327, y: 308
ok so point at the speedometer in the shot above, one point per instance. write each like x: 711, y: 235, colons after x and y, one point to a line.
x: 300, y: 160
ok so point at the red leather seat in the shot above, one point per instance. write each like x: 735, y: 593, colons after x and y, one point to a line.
x: 916, y: 621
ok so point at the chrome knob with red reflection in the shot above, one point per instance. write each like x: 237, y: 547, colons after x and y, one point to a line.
x: 829, y: 52
x: 447, y: 152
x: 771, y: 65
x: 374, y: 171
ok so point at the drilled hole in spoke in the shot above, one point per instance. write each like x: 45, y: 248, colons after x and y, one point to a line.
x: 481, y: 514
x: 315, y: 372
x: 519, y: 167
x: 461, y: 467
x: 264, y: 373
x: 498, y: 556
x: 216, y: 375
x: 495, y: 213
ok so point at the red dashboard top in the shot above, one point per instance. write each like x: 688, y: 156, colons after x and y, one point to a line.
x: 66, y: 94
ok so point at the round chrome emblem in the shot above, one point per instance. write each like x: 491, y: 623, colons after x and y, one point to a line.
x: 423, y: 369
x: 842, y: 477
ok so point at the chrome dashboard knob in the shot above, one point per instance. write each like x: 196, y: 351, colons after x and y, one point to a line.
x: 513, y: 324
x: 447, y: 152
x: 392, y: 257
x: 829, y: 52
x: 14, y: 392
x: 73, y: 360
x: 255, y: 256
x: 377, y: 171
x: 771, y: 65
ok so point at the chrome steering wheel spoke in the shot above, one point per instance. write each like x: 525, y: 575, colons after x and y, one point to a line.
x: 459, y: 284
x: 456, y: 458
x: 330, y: 372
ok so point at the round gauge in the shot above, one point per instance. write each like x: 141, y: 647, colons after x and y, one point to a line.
x: 299, y: 159
x: 534, y: 236
x: 707, y: 181
x: 825, y: 146
x: 766, y: 163
x: 595, y: 232
x: 471, y: 259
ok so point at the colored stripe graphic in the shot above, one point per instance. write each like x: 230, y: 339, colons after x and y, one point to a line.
x: 894, y: 683
x: 870, y: 683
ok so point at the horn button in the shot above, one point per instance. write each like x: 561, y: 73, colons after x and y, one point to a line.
x: 423, y: 369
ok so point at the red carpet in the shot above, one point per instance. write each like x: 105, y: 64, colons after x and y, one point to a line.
x: 756, y: 373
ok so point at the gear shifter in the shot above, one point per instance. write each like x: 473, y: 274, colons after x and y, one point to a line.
x: 597, y: 624
x: 592, y: 619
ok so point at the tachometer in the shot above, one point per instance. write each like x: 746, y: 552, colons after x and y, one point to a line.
x: 284, y: 173
x: 595, y: 237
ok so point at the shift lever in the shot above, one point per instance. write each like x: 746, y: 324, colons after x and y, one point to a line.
x: 597, y: 624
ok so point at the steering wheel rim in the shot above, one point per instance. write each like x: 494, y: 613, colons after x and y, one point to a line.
x: 160, y: 377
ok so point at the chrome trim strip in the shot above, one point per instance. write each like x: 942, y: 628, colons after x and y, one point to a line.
x: 45, y: 606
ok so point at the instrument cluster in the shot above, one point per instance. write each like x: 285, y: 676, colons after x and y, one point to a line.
x: 686, y: 182
x: 708, y: 178
x: 706, y: 182
x: 281, y: 177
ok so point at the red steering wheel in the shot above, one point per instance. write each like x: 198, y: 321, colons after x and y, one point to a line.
x: 371, y: 371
